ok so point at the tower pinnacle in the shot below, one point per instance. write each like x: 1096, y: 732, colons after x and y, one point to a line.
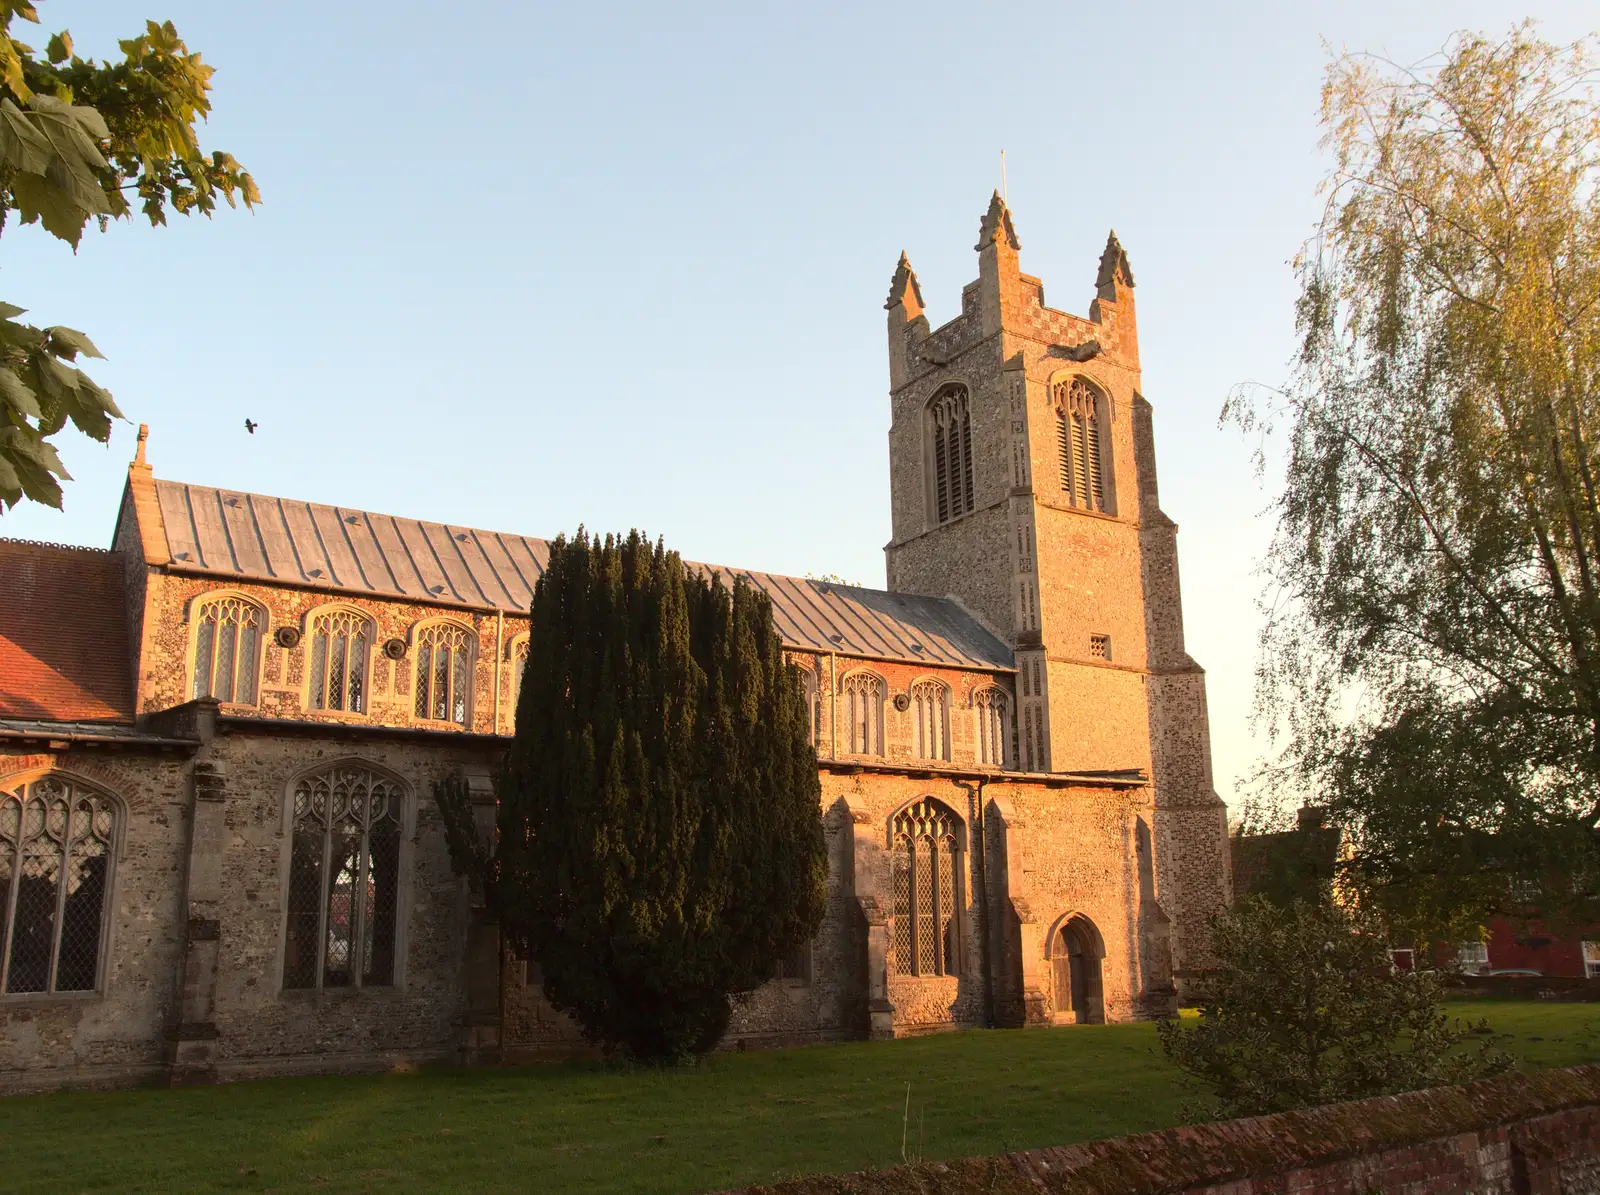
x: 1114, y: 265
x: 904, y: 284
x: 997, y: 222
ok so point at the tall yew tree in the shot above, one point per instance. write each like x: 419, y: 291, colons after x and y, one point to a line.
x: 660, y: 834
x: 1434, y: 643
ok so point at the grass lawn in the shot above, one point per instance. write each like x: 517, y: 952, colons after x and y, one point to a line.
x: 738, y: 1118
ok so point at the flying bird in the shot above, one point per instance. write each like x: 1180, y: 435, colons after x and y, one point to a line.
x: 250, y: 426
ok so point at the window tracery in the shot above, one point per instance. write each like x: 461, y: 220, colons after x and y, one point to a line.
x: 57, y: 842
x: 344, y: 879
x: 930, y: 711
x: 227, y: 648
x: 863, y: 702
x: 992, y: 710
x: 519, y: 661
x: 1078, y: 436
x: 926, y: 865
x: 808, y: 687
x: 446, y: 652
x: 340, y: 643
x: 950, y: 434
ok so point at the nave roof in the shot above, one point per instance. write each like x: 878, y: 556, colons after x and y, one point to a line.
x: 232, y: 534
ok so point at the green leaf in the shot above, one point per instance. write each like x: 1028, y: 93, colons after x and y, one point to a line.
x: 22, y: 146
x: 15, y: 393
x: 8, y: 311
x: 59, y: 48
x: 67, y: 342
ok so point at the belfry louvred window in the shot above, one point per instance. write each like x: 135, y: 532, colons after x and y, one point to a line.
x: 1078, y: 435
x: 227, y: 649
x: 445, y: 656
x: 926, y: 864
x: 344, y: 880
x: 57, y: 841
x: 950, y: 431
x: 340, y: 640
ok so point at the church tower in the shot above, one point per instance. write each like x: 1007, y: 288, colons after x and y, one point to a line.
x: 1023, y: 482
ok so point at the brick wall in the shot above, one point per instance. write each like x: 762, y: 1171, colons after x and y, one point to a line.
x: 1523, y: 1134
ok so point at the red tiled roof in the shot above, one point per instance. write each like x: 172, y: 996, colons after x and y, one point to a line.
x: 63, y: 634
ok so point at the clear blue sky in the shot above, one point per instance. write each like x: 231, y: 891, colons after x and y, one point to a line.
x: 522, y: 266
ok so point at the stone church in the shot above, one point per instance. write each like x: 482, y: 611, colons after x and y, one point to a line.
x: 219, y: 851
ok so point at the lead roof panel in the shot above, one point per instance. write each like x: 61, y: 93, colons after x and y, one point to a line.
x: 227, y: 533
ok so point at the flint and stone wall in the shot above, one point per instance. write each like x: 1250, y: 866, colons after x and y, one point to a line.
x: 1519, y: 1135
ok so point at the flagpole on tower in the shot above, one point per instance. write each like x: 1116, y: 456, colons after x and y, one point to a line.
x: 1003, y: 176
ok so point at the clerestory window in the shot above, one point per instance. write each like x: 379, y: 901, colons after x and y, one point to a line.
x: 57, y: 842
x: 344, y: 879
x: 862, y: 699
x: 950, y: 447
x: 227, y: 648
x: 446, y: 652
x: 1079, y: 434
x: 992, y: 710
x: 930, y: 712
x: 927, y: 886
x: 340, y: 644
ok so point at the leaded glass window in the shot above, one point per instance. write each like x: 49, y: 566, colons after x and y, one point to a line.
x: 808, y: 686
x: 950, y: 435
x: 519, y: 661
x: 57, y: 840
x: 227, y: 649
x: 863, y: 711
x: 930, y: 711
x: 445, y: 653
x: 344, y: 879
x: 1078, y: 435
x: 926, y: 873
x: 993, y: 715
x: 340, y: 640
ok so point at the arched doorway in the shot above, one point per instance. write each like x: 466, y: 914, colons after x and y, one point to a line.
x: 1075, y: 958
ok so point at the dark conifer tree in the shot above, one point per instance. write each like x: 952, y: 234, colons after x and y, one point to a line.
x: 660, y: 845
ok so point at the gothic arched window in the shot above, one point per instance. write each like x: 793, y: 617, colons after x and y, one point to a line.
x: 950, y: 446
x: 446, y: 652
x: 340, y: 641
x: 519, y: 661
x: 863, y: 710
x: 1079, y: 431
x: 344, y: 879
x: 992, y: 711
x: 808, y: 687
x: 227, y: 648
x: 57, y: 842
x: 930, y: 712
x: 926, y: 854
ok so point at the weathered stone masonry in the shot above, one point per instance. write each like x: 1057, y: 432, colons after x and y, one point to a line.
x: 1012, y: 742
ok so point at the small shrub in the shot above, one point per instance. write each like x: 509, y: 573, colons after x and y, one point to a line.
x: 1305, y: 1009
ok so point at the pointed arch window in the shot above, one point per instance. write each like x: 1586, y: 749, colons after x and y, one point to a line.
x: 519, y: 661
x: 57, y: 843
x: 950, y: 447
x: 1079, y: 434
x: 930, y: 712
x: 344, y: 879
x: 926, y: 862
x: 808, y: 688
x: 992, y: 711
x: 863, y: 709
x: 446, y: 653
x: 341, y: 640
x: 227, y: 648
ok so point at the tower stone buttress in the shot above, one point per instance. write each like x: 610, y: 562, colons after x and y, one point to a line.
x: 1053, y: 535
